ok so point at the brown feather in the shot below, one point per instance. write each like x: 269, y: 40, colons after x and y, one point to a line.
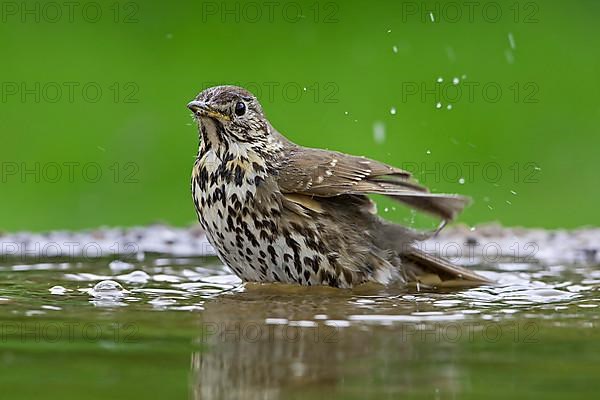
x: 323, y: 173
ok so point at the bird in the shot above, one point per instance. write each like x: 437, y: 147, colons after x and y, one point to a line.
x: 278, y: 212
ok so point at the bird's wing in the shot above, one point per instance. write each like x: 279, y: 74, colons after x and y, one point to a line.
x: 323, y: 173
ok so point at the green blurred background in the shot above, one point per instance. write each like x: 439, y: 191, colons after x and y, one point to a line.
x: 95, y: 130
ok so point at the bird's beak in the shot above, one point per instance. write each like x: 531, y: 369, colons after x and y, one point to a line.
x: 200, y: 108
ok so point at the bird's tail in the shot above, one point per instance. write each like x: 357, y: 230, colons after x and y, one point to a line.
x: 429, y: 270
x: 417, y: 266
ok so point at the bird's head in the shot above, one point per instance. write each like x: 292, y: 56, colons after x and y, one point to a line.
x: 229, y: 113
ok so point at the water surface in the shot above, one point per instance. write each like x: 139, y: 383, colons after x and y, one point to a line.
x: 177, y: 327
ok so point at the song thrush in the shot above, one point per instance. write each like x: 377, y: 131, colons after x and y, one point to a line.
x: 279, y: 212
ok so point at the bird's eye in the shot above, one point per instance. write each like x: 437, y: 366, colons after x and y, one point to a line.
x: 240, y: 108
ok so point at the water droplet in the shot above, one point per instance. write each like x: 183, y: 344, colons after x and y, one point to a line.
x: 510, y: 58
x: 511, y: 41
x: 379, y: 132
x: 345, y: 112
x: 508, y: 202
x: 389, y: 31
x: 513, y: 192
x: 431, y: 17
x: 386, y: 209
x: 455, y: 80
x: 393, y: 111
x: 428, y: 152
x: 395, y: 49
x: 438, y: 105
x: 490, y: 207
x: 464, y: 76
x: 449, y: 106
x: 450, y: 54
x: 461, y: 181
x: 440, y: 80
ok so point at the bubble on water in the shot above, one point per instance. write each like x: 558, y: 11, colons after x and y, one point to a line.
x: 58, y: 290
x: 455, y: 80
x: 513, y: 192
x: 108, y: 289
x: 107, y: 285
x: 135, y: 277
x: 440, y: 80
x: 378, y: 132
x: 393, y: 110
x: 511, y: 41
x: 449, y: 106
x: 461, y: 181
x: 438, y: 105
x: 395, y: 49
